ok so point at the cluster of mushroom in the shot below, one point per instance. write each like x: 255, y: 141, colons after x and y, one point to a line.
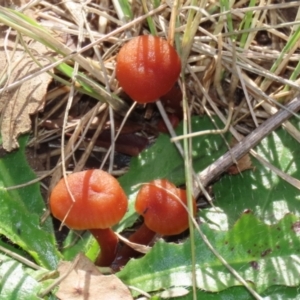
x: 93, y: 200
x: 147, y: 68
x: 164, y: 210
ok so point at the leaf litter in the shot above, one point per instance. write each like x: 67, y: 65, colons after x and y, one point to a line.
x: 19, y: 103
x: 85, y: 281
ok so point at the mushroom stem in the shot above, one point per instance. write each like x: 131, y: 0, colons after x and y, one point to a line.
x: 142, y: 236
x: 108, y: 242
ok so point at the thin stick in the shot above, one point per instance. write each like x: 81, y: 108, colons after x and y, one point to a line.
x: 172, y: 132
x: 244, y: 146
x: 21, y: 259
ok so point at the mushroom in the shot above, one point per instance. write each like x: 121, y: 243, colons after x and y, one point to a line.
x: 147, y: 68
x: 164, y: 208
x: 93, y: 201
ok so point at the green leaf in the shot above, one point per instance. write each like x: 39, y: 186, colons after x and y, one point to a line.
x: 260, y: 189
x: 264, y: 255
x: 22, y: 208
x: 76, y: 243
x: 10, y: 247
x: 240, y: 293
x: 162, y: 160
x: 246, y: 24
x: 15, y: 282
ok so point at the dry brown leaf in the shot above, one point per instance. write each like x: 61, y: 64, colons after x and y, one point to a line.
x: 18, y: 104
x: 86, y: 282
x: 137, y: 247
x: 243, y: 164
x: 76, y: 10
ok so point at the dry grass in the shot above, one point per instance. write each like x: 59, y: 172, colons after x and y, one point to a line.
x: 227, y: 67
x: 240, y: 63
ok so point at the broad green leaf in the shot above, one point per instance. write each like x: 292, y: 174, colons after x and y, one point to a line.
x: 281, y: 292
x: 260, y: 189
x: 240, y: 293
x: 22, y: 208
x: 264, y: 255
x: 162, y: 160
x: 15, y: 282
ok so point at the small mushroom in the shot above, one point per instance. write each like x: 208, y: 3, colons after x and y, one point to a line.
x: 147, y: 68
x: 99, y: 203
x: 164, y: 208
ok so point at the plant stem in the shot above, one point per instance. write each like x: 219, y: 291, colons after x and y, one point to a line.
x: 142, y: 236
x: 108, y: 242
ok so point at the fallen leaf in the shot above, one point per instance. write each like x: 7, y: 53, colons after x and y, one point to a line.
x: 243, y: 164
x: 137, y: 247
x: 85, y: 281
x: 75, y: 10
x: 129, y: 144
x: 17, y: 104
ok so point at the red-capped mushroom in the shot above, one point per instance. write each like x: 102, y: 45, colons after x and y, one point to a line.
x: 99, y: 203
x: 147, y: 68
x: 164, y: 208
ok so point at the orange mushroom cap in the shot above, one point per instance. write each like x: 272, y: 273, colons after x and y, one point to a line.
x: 100, y: 202
x: 147, y: 68
x: 158, y: 202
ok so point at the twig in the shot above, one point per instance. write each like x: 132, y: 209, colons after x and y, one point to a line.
x: 21, y: 259
x: 244, y: 146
